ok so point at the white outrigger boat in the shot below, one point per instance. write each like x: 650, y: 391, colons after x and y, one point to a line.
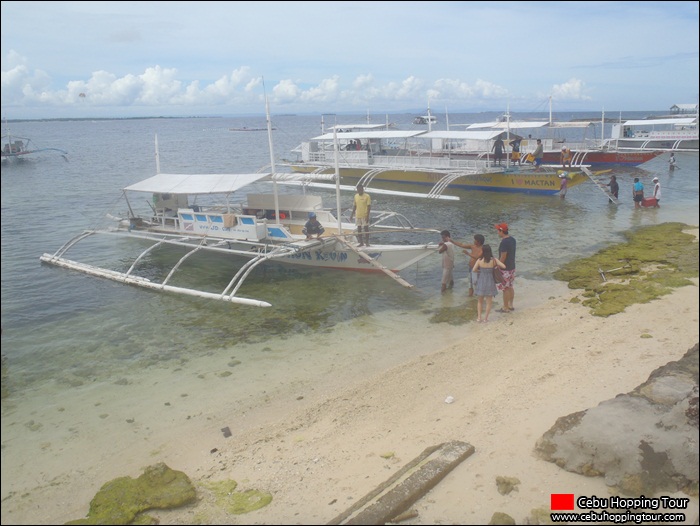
x: 218, y: 213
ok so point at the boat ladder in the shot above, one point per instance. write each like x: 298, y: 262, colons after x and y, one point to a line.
x: 603, y: 188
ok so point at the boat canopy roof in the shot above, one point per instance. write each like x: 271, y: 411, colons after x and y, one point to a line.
x: 196, y: 184
x: 480, y: 135
x: 653, y: 122
x: 357, y: 127
x: 387, y: 134
x: 504, y: 125
x: 515, y: 125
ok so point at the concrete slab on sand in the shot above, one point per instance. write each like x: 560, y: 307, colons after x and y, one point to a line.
x: 406, y: 486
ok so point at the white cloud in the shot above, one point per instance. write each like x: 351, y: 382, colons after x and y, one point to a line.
x: 571, y: 90
x: 136, y: 57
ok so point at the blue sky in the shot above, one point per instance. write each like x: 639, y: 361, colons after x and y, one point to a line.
x: 125, y: 59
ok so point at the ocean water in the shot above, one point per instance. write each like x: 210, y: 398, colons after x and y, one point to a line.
x: 67, y: 336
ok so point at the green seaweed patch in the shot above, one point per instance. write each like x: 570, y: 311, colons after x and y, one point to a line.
x: 455, y: 315
x: 654, y: 261
x: 237, y: 502
x: 120, y: 501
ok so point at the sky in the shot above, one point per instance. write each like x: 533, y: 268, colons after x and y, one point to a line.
x: 141, y: 59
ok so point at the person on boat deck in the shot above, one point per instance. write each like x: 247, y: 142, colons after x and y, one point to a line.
x: 614, y: 187
x: 313, y: 227
x: 672, y: 162
x: 538, y: 154
x: 657, y: 191
x: 498, y: 150
x: 565, y: 157
x: 515, y: 152
x: 362, y: 205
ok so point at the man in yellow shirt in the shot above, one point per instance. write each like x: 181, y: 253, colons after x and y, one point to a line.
x: 360, y: 211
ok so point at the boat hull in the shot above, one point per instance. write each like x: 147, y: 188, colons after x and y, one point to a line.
x: 513, y: 180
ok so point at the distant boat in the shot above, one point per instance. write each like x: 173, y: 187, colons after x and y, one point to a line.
x: 425, y: 119
x: 18, y: 148
x: 673, y: 133
x: 245, y: 128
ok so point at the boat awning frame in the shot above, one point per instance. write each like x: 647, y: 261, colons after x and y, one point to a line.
x: 479, y: 135
x: 682, y: 121
x: 389, y: 134
x: 196, y: 184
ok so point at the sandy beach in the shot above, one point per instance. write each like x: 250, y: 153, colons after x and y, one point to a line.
x: 510, y: 380
x: 523, y: 373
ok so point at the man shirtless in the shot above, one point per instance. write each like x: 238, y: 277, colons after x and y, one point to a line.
x: 474, y: 251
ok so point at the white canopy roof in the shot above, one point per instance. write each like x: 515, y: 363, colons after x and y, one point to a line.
x: 357, y: 127
x: 193, y: 184
x: 516, y: 125
x: 388, y: 134
x: 504, y: 125
x: 480, y: 135
x: 655, y: 122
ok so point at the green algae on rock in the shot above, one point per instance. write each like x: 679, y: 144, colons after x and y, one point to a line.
x: 237, y: 502
x: 653, y: 261
x: 120, y: 501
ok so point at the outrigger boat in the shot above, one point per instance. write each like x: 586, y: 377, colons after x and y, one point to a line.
x: 670, y: 134
x: 444, y: 163
x: 17, y: 148
x: 219, y: 213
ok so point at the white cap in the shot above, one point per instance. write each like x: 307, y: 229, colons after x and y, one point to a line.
x: 655, y: 179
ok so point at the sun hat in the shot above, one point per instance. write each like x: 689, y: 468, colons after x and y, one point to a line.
x: 655, y: 179
x: 312, y: 215
x: 502, y: 226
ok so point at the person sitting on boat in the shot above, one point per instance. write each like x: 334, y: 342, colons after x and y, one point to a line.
x: 313, y: 227
x: 565, y: 157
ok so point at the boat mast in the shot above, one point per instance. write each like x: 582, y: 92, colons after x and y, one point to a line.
x: 507, y: 135
x: 430, y: 121
x: 272, y: 157
x: 337, y: 179
x: 157, y: 156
